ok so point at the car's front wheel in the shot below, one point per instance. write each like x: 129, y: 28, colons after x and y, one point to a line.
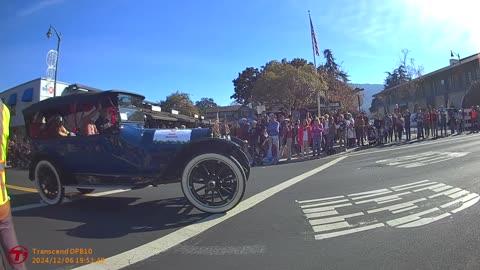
x: 213, y: 183
x: 47, y: 181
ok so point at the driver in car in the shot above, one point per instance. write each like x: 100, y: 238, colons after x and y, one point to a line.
x: 103, y: 122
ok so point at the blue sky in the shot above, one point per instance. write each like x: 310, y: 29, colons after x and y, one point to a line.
x: 157, y: 47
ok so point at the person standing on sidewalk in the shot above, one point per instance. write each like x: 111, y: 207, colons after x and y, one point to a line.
x: 388, y: 128
x: 394, y: 125
x: 273, y: 129
x: 367, y: 124
x: 419, y: 120
x: 443, y: 122
x: 305, y: 137
x: 289, y: 140
x: 400, y: 124
x: 317, y: 131
x: 452, y: 120
x: 254, y: 139
x: 406, y: 117
x: 434, y: 119
x: 8, y: 237
x: 427, y: 122
x: 342, y: 126
x: 378, y: 128
x: 473, y: 127
x: 332, y: 131
x: 460, y: 121
x: 359, y: 128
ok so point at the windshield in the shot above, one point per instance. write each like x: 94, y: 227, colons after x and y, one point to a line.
x: 129, y: 101
x: 130, y: 108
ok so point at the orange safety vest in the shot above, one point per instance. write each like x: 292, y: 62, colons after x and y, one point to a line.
x: 5, y: 133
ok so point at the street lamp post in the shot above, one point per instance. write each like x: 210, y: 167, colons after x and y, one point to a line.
x: 359, y: 91
x: 59, y: 38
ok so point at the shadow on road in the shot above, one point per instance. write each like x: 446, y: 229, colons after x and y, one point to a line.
x: 112, y: 217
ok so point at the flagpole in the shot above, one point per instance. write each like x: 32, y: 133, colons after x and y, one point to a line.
x: 315, y: 64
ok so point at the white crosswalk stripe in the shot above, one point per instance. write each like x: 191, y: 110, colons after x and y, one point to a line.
x: 404, y: 206
x: 423, y: 159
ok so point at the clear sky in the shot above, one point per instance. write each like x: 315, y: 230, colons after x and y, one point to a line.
x: 155, y: 47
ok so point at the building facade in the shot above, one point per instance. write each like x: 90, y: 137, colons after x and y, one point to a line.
x: 21, y: 96
x: 444, y: 87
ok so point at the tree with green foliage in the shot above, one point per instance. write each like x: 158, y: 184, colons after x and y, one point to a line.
x: 337, y: 80
x: 244, y: 84
x: 406, y: 76
x: 286, y: 84
x: 205, y: 103
x: 180, y: 102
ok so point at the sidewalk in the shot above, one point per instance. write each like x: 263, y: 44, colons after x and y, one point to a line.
x: 341, y: 150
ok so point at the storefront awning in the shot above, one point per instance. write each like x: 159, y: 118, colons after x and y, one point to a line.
x: 27, y: 95
x: 184, y: 118
x: 12, y: 100
x: 161, y: 117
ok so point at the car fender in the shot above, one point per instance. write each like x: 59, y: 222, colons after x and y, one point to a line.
x: 56, y: 161
x: 214, y: 145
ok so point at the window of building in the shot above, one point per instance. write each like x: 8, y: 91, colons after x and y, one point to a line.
x: 27, y: 95
x: 470, y: 78
x: 12, y: 102
x: 478, y: 73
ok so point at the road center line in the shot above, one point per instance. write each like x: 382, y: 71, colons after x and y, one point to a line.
x: 179, y: 236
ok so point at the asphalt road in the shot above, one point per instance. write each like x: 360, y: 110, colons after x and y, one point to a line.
x: 407, y: 206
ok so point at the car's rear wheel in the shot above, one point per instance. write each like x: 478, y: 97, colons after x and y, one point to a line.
x: 47, y: 181
x: 213, y: 183
x: 85, y: 190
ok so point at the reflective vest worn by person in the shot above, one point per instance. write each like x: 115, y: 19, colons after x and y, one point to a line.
x: 5, y: 132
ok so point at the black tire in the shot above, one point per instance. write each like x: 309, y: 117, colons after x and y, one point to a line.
x: 48, y: 183
x: 85, y: 190
x: 226, y: 174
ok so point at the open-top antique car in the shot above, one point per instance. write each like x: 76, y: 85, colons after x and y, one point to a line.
x: 88, y: 141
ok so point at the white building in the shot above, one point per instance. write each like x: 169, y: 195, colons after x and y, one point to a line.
x: 21, y: 96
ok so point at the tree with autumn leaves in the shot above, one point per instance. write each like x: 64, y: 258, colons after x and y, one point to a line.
x: 293, y: 84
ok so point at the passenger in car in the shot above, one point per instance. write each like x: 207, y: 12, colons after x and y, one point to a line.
x: 92, y: 128
x: 55, y: 127
x: 84, y: 117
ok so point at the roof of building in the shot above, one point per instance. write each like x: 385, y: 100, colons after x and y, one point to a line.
x: 54, y: 102
x: 462, y: 62
x: 160, y: 115
x: 224, y: 109
x: 20, y: 85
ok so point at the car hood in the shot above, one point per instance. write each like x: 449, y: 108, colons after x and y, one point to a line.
x: 178, y: 136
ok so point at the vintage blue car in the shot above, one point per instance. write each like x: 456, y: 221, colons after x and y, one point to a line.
x: 97, y: 140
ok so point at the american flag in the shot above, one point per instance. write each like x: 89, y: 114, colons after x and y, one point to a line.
x: 314, y: 38
x: 227, y: 128
x: 216, y: 127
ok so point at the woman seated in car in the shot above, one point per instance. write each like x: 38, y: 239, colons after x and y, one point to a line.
x: 56, y: 128
x: 37, y: 127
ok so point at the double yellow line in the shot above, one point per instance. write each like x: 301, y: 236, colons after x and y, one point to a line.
x: 26, y: 189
